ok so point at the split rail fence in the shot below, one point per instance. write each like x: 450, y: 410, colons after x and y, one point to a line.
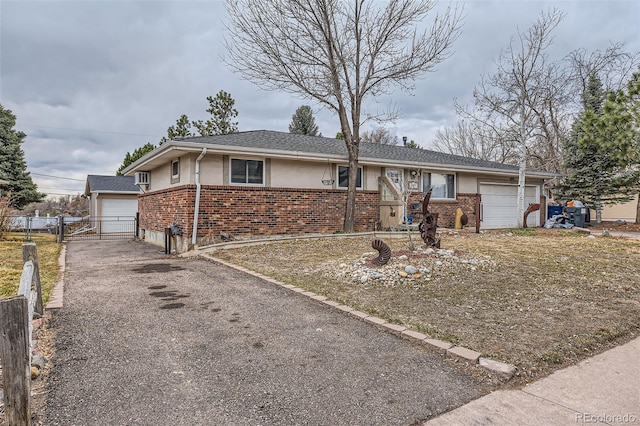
x: 16, y: 317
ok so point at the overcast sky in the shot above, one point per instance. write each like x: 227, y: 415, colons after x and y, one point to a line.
x: 91, y: 80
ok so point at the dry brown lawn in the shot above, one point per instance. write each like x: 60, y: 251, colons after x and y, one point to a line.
x: 544, y: 300
x: 11, y: 263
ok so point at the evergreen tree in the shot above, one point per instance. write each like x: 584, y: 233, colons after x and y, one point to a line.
x: 222, y: 113
x: 413, y: 144
x: 182, y: 129
x: 620, y: 125
x: 601, y: 154
x: 303, y: 123
x: 132, y: 158
x: 13, y: 167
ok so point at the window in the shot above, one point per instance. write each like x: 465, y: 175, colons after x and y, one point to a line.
x: 343, y: 177
x: 396, y: 176
x: 443, y: 185
x: 175, y: 170
x: 247, y: 171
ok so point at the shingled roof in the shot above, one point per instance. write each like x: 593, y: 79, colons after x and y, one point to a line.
x: 288, y: 145
x: 113, y: 184
x: 266, y: 140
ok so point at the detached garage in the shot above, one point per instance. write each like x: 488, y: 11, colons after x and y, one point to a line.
x: 112, y: 199
x: 498, y: 205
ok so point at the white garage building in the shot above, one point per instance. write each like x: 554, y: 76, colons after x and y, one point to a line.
x: 112, y: 199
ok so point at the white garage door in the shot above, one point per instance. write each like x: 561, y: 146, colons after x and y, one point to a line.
x: 499, y: 205
x: 117, y: 211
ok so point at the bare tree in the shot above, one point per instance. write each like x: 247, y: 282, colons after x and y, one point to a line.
x: 379, y: 135
x: 471, y: 138
x: 515, y: 100
x: 613, y: 66
x: 6, y: 211
x: 339, y: 54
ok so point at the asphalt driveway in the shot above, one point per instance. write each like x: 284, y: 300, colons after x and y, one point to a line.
x: 147, y: 339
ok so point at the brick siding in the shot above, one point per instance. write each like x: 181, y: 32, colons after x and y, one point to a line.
x: 245, y: 211
x: 447, y: 209
x: 255, y: 210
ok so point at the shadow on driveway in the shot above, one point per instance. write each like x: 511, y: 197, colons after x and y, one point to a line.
x: 147, y: 339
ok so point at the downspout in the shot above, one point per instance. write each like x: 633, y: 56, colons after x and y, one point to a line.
x: 194, y: 232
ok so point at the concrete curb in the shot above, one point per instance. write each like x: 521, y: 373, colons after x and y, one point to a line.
x: 505, y: 371
x: 56, y: 297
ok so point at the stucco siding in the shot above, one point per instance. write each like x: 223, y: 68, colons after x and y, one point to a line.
x: 467, y: 183
x: 298, y: 174
x: 211, y: 170
x: 160, y: 177
x: 626, y: 211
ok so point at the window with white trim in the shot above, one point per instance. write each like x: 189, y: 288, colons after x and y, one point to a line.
x: 397, y: 177
x: 175, y: 170
x: 248, y: 172
x: 443, y: 184
x: 343, y: 177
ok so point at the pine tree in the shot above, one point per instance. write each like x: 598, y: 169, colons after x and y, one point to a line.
x: 182, y: 129
x: 413, y: 144
x: 132, y: 158
x: 222, y: 113
x: 13, y: 167
x: 303, y: 123
x: 599, y: 155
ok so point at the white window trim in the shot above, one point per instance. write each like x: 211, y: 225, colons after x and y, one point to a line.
x: 175, y: 177
x: 400, y: 184
x: 264, y: 171
x: 347, y: 166
x: 455, y: 184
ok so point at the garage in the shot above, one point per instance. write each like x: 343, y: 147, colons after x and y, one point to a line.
x: 113, y: 205
x: 498, y: 208
x: 116, y: 213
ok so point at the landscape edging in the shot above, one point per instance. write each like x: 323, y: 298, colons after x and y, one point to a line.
x: 504, y: 370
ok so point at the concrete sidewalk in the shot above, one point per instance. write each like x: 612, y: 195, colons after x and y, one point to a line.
x: 604, y: 389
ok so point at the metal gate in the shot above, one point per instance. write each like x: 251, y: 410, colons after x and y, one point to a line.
x: 100, y: 228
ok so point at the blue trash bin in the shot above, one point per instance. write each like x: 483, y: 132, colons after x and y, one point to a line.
x: 553, y: 211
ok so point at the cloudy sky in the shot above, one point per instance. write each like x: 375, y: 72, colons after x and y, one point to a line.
x: 91, y: 80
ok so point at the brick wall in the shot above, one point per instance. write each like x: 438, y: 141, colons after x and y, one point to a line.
x: 255, y: 210
x: 447, y: 209
x: 158, y: 209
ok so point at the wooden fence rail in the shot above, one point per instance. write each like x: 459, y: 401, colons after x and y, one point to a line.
x: 16, y: 317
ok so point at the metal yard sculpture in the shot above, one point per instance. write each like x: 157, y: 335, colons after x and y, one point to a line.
x: 429, y: 225
x: 383, y: 250
x: 532, y: 208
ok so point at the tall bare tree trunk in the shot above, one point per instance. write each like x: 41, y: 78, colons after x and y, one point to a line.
x: 349, y: 216
x: 522, y: 166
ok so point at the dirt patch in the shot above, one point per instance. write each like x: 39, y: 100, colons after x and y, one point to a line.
x: 615, y: 226
x: 538, y: 299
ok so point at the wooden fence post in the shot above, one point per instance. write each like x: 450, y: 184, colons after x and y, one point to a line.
x: 16, y: 354
x: 30, y: 252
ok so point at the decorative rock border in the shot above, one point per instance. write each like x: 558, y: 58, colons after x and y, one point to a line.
x: 504, y: 370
